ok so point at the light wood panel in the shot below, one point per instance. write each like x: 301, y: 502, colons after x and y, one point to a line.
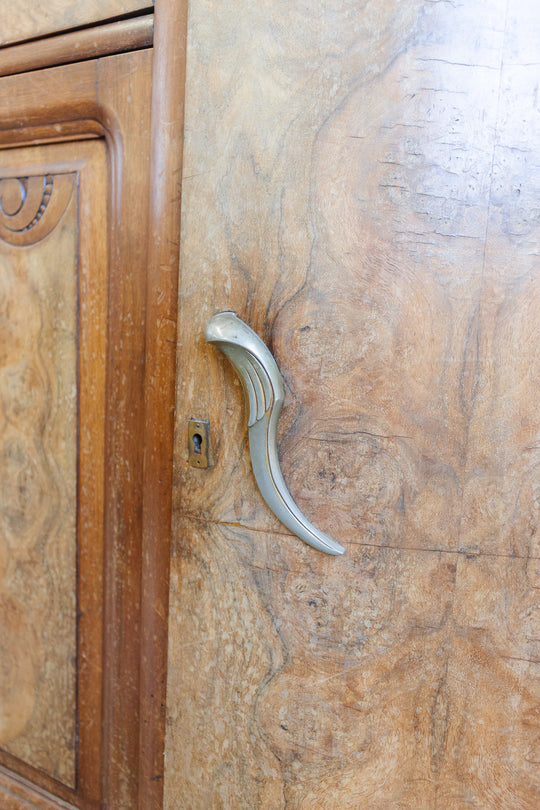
x: 360, y: 186
x: 52, y: 392
x: 30, y: 20
x: 38, y: 494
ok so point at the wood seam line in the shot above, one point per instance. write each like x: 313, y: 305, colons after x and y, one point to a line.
x: 470, y: 554
x: 78, y: 46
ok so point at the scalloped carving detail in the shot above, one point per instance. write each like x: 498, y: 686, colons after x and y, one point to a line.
x: 31, y: 207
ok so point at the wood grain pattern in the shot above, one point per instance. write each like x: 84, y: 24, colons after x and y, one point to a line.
x: 18, y: 795
x: 52, y: 391
x: 30, y: 20
x: 38, y: 391
x: 169, y: 60
x: 360, y: 186
x: 124, y: 83
x: 107, y: 98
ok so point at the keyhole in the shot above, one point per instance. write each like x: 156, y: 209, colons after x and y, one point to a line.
x: 197, y: 442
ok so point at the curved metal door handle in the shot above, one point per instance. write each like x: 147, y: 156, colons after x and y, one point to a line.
x: 263, y: 387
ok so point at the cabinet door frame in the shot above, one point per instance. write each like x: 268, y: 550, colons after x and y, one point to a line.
x: 87, y: 100
x: 81, y: 102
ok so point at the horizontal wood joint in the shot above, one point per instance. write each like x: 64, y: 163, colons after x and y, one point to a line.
x: 78, y: 46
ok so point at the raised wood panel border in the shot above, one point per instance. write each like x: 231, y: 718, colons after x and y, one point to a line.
x: 18, y: 794
x: 75, y: 130
x: 78, y: 46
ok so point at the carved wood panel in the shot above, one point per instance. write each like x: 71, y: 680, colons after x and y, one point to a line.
x: 46, y: 434
x: 74, y: 200
x: 31, y: 207
x: 361, y: 187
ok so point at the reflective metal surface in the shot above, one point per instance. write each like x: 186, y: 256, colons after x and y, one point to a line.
x: 263, y: 387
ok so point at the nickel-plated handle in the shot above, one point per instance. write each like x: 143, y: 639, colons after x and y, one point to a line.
x: 263, y: 387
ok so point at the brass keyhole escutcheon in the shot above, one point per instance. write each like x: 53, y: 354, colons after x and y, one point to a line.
x: 198, y: 436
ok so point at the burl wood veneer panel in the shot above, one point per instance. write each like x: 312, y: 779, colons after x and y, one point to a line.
x: 38, y: 498
x: 23, y: 20
x: 361, y: 186
x: 45, y: 267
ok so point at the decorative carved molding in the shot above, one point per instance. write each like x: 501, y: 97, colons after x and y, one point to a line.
x: 31, y: 207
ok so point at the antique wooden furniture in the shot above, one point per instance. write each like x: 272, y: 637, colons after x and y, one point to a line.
x: 361, y: 186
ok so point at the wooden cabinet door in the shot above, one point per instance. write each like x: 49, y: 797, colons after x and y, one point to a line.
x: 361, y: 185
x: 73, y: 220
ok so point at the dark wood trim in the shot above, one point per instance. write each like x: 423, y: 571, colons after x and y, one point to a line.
x: 162, y: 301
x: 78, y: 46
x: 123, y: 87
